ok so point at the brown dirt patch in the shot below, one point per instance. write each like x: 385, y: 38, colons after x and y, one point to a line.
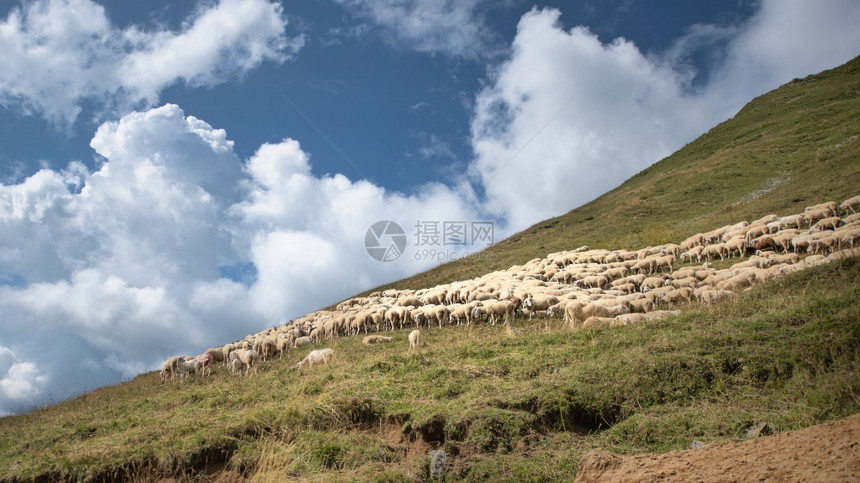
x: 827, y: 452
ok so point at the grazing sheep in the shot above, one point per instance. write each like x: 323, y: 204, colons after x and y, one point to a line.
x: 628, y: 319
x: 824, y: 241
x: 851, y: 204
x: 694, y: 253
x: 740, y: 281
x: 314, y: 357
x: 576, y: 311
x: 532, y: 304
x: 830, y: 223
x: 415, y: 340
x: 499, y: 308
x: 660, y: 263
x: 376, y: 339
x: 169, y: 368
x: 249, y: 357
x: 661, y: 314
x: 849, y: 237
x: 763, y: 242
x: 184, y: 368
x: 851, y: 219
x: 736, y: 245
x: 217, y: 355
x: 814, y: 215
x: 714, y: 250
x: 598, y: 281
x: 641, y: 305
x: 710, y: 297
x: 646, y: 265
x: 302, y: 341
x: 267, y: 347
x: 315, y: 335
x: 677, y: 296
x: 206, y: 361
x: 458, y: 312
x: 237, y: 366
x: 652, y: 283
x: 594, y: 322
x: 826, y: 207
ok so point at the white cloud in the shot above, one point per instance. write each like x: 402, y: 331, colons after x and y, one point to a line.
x: 567, y: 117
x: 21, y: 382
x: 449, y: 27
x: 57, y: 54
x: 123, y: 269
x: 784, y: 40
x: 308, y: 243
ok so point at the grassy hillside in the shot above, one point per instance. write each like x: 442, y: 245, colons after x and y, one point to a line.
x: 791, y: 147
x: 508, y: 406
x: 527, y: 403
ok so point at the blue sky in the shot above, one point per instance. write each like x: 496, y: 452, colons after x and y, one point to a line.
x: 176, y: 177
x: 399, y: 114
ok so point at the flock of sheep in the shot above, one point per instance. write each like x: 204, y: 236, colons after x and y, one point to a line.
x: 589, y: 288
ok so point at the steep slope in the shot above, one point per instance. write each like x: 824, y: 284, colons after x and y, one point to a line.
x: 792, y: 146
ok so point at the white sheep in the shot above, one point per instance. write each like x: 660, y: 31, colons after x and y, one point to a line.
x: 376, y: 339
x: 498, y: 308
x: 249, y: 357
x: 828, y: 206
x: 813, y: 215
x: 851, y: 204
x: 415, y: 340
x: 237, y: 366
x: 712, y: 296
x: 576, y: 311
x: 595, y: 322
x: 532, y: 304
x: 217, y: 354
x: 302, y: 341
x: 283, y: 345
x: 459, y: 312
x: 206, y: 362
x: 319, y: 356
x: 169, y: 368
x: 830, y: 223
x: 185, y: 367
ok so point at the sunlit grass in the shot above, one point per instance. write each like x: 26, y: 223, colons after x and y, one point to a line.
x: 785, y: 352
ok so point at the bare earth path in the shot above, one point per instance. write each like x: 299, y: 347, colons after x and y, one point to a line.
x: 827, y: 452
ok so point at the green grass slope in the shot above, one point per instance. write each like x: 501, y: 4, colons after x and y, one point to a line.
x: 521, y: 405
x: 794, y: 146
x: 526, y: 404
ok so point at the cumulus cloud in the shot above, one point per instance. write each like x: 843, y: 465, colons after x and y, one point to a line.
x: 567, y: 117
x: 58, y: 54
x: 21, y: 382
x: 454, y: 28
x: 783, y: 40
x: 309, y: 232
